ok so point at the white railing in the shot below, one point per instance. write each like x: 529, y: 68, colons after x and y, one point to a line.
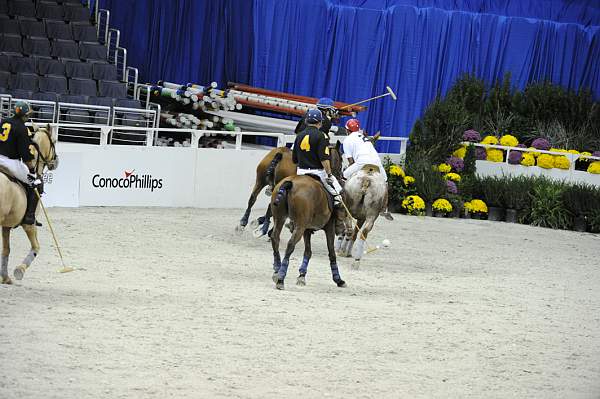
x: 121, y: 62
x: 132, y: 78
x: 572, y: 157
x: 103, y: 24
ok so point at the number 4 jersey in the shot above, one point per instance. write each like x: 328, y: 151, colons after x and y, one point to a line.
x: 310, y: 148
x: 14, y: 140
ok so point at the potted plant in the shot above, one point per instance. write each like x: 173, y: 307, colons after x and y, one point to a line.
x: 477, y: 209
x: 493, y: 196
x: 547, y: 208
x: 580, y: 200
x: 516, y: 196
x: 441, y: 207
x: 429, y: 183
x: 414, y: 205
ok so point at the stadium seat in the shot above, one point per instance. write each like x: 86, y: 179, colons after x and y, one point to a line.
x: 4, y: 79
x: 84, y: 32
x: 24, y: 81
x: 49, y: 66
x: 76, y: 12
x: 104, y: 71
x: 55, y: 84
x: 65, y: 49
x: 11, y: 44
x: 10, y: 27
x: 76, y: 69
x: 72, y: 99
x: 59, y: 30
x: 36, y: 46
x: 4, y: 62
x: 69, y: 1
x: 21, y: 94
x: 93, y: 51
x: 4, y: 6
x: 22, y: 64
x: 112, y: 89
x: 21, y: 8
x: 103, y: 101
x: 128, y: 103
x: 83, y: 87
x: 32, y: 28
x: 47, y: 10
x: 41, y: 96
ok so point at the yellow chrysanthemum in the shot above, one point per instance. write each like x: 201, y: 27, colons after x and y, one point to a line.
x: 455, y: 177
x: 573, y: 152
x: 479, y: 206
x: 494, y: 155
x: 408, y: 180
x: 534, y: 154
x: 594, y: 168
x: 493, y: 140
x: 413, y: 204
x: 396, y: 170
x: 545, y: 161
x: 562, y: 162
x: 460, y: 153
x: 584, y: 156
x: 528, y: 159
x: 444, y: 168
x: 442, y: 205
x: 509, y: 141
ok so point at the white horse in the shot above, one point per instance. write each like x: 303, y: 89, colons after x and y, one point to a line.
x: 364, y: 195
x: 13, y: 203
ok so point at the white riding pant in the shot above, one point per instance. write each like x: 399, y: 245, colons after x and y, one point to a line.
x: 17, y: 168
x: 355, y: 167
x: 335, y: 190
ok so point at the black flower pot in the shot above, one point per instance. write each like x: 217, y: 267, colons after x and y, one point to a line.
x: 495, y: 214
x: 580, y: 224
x: 511, y: 215
x: 428, y: 209
x: 438, y: 214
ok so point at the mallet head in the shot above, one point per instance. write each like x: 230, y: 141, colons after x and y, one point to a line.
x: 391, y: 92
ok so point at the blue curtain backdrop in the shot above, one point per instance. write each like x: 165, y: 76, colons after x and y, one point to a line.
x: 352, y: 49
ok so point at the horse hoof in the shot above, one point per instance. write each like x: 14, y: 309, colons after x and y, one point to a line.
x: 341, y: 284
x: 5, y: 280
x: 19, y: 272
x: 356, y: 265
x: 279, y: 285
x: 275, y: 277
x: 239, y: 229
x: 254, y: 224
x: 301, y: 281
x: 258, y: 233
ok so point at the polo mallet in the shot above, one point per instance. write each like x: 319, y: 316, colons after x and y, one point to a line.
x: 64, y: 269
x: 355, y: 225
x: 390, y: 92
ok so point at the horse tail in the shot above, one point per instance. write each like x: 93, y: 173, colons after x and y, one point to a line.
x: 271, y: 169
x: 282, y: 193
x: 365, y: 186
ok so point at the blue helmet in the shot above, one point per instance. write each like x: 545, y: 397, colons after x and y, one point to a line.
x: 325, y: 102
x: 314, y: 116
x: 22, y: 108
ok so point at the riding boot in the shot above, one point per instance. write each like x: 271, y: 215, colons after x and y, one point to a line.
x: 32, y: 202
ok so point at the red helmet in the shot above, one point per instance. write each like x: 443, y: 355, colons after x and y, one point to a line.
x: 353, y: 125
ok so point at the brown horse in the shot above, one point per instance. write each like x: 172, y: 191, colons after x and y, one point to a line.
x: 273, y: 168
x: 13, y: 203
x: 306, y: 202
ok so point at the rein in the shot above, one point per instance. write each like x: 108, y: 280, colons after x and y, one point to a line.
x: 40, y: 156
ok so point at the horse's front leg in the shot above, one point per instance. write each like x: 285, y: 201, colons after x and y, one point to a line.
x: 4, y: 279
x: 335, y: 272
x: 31, y: 231
x: 307, y: 255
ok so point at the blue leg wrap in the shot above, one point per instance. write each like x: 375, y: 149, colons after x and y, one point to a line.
x: 265, y: 226
x: 244, y: 219
x: 304, y: 265
x: 335, y: 272
x: 276, y: 263
x: 283, y: 268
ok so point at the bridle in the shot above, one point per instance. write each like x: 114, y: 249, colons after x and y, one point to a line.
x: 51, y: 162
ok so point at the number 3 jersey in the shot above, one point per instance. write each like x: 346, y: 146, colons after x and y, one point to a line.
x: 310, y: 148
x: 360, y: 149
x: 14, y: 140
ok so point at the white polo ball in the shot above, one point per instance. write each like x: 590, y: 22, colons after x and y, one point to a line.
x: 386, y: 243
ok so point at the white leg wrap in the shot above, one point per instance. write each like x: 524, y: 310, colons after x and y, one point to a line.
x: 359, y: 248
x: 338, y: 243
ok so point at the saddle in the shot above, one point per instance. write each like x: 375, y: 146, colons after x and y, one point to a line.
x: 370, y: 169
x: 10, y: 177
x: 328, y: 194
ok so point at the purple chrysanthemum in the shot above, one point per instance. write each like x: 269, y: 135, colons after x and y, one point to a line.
x: 521, y: 146
x: 451, y: 187
x: 456, y: 164
x: 541, y: 144
x: 514, y: 157
x: 472, y: 135
x: 596, y: 154
x: 480, y: 154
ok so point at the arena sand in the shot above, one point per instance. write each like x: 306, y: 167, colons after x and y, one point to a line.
x: 169, y: 303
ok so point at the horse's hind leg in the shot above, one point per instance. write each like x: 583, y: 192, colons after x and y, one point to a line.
x: 358, y: 250
x: 275, y: 237
x: 258, y: 185
x: 263, y: 229
x: 307, y: 255
x: 296, y: 236
x: 335, y: 272
x: 31, y: 231
x: 4, y: 279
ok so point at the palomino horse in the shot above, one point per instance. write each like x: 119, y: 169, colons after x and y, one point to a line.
x: 13, y: 203
x: 273, y: 168
x: 306, y: 202
x: 364, y: 195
